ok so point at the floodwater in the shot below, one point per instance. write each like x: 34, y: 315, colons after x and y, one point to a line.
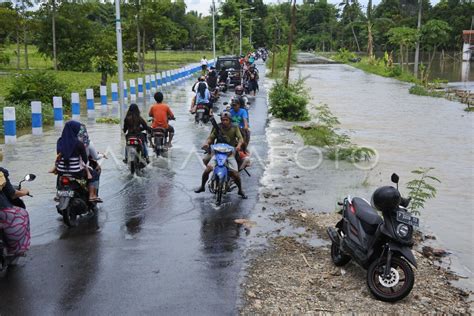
x: 408, y: 132
x: 157, y: 247
x: 447, y: 67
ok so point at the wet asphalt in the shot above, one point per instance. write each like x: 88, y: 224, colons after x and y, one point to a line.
x: 156, y: 246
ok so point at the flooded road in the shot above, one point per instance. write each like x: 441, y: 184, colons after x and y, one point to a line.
x: 408, y: 132
x: 158, y: 247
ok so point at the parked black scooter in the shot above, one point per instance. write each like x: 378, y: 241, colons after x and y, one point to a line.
x: 5, y: 259
x: 380, y: 245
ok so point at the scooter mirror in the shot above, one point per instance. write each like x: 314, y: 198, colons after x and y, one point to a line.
x: 30, y: 177
x: 225, y: 103
x: 395, y: 178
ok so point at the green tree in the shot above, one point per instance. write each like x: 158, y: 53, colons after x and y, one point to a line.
x: 8, y: 20
x: 434, y: 33
x: 405, y: 37
x: 351, y: 17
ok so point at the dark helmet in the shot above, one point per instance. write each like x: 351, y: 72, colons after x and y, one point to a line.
x: 386, y: 198
x: 239, y: 90
x: 238, y: 100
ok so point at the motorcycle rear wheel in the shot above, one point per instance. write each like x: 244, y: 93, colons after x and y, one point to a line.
x: 158, y: 146
x: 219, y: 193
x: 70, y: 217
x: 401, y: 280
x: 338, y: 257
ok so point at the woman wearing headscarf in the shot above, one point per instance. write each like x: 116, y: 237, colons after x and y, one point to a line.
x: 71, y: 152
x: 134, y: 125
x: 14, y: 221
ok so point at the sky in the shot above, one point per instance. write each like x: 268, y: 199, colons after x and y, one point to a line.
x: 202, y: 6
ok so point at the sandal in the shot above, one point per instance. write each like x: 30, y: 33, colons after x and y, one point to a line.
x: 96, y: 200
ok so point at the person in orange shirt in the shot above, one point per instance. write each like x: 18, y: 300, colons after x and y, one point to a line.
x: 161, y: 114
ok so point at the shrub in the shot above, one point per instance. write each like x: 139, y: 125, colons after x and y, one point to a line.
x: 36, y: 86
x: 420, y: 90
x: 421, y: 189
x: 395, y: 71
x: 344, y: 55
x: 289, y: 103
x: 324, y: 134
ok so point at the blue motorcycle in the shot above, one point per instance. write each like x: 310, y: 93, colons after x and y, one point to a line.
x: 221, y: 182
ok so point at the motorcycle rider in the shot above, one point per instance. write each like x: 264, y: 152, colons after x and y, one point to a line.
x: 135, y: 125
x: 14, y: 221
x: 251, y: 77
x: 212, y: 78
x: 203, y: 97
x: 196, y: 84
x: 223, y: 76
x: 240, y: 93
x: 239, y: 118
x: 230, y: 135
x: 204, y: 64
x: 161, y: 114
x: 92, y: 167
x: 71, y: 152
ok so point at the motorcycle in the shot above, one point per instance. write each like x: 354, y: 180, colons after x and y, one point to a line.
x: 134, y: 149
x: 381, y: 245
x: 220, y: 182
x: 202, y: 114
x: 73, y: 199
x: 5, y: 259
x: 223, y: 86
x: 159, y: 140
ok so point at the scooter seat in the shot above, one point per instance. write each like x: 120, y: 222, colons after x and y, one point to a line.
x: 367, y: 215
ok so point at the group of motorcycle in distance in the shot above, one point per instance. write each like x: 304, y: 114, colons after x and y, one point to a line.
x: 380, y: 244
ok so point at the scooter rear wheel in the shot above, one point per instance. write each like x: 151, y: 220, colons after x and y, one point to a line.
x: 338, y: 257
x: 396, y: 286
x: 70, y: 217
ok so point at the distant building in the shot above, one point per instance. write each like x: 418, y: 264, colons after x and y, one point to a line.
x: 468, y: 47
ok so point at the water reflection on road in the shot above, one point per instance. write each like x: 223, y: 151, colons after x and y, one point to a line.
x: 156, y: 246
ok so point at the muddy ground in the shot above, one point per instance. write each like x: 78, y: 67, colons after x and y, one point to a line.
x: 291, y: 276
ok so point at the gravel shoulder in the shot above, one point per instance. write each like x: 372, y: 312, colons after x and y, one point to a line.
x: 290, y: 270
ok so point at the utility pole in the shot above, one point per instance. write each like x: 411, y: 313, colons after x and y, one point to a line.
x: 53, y: 22
x: 417, y: 52
x: 240, y: 28
x: 214, y: 29
x: 118, y: 32
x: 290, y: 42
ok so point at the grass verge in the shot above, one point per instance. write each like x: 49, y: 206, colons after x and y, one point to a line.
x: 324, y: 133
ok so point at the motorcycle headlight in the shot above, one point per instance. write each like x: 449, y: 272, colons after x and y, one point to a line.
x: 403, y: 230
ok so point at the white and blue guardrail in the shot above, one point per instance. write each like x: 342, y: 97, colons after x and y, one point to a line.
x: 152, y: 83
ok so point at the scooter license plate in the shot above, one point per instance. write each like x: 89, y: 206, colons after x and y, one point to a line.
x: 65, y: 193
x: 407, y: 218
x: 200, y: 110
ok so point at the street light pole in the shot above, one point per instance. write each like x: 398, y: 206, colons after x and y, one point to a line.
x: 118, y: 31
x: 240, y: 28
x: 240, y: 33
x: 214, y: 29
